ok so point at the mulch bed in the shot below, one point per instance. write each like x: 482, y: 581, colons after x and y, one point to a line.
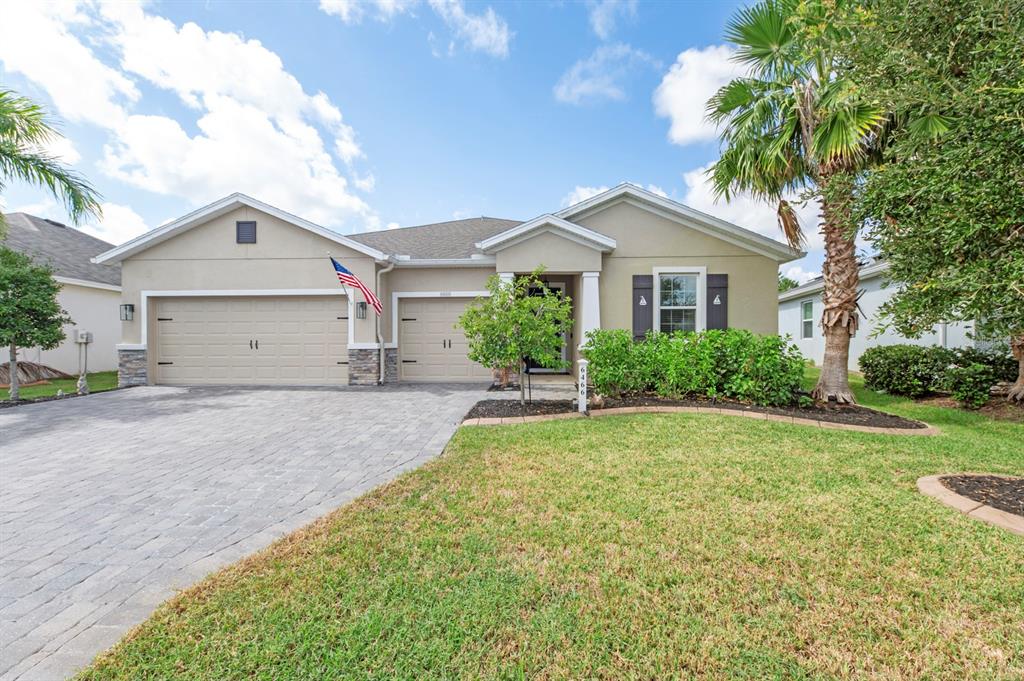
x: 998, y: 407
x: 845, y: 414
x: 1006, y: 494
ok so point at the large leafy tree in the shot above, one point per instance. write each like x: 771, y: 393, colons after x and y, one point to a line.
x: 30, y: 314
x: 947, y: 211
x: 797, y: 123
x: 519, y: 320
x: 24, y: 133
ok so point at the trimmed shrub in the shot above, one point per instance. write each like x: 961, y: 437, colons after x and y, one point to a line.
x: 910, y: 370
x: 970, y: 384
x: 733, y: 363
x: 914, y: 370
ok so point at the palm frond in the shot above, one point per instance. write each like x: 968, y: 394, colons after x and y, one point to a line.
x: 929, y: 126
x: 790, y: 225
x: 764, y: 38
x: 22, y: 120
x: 43, y: 170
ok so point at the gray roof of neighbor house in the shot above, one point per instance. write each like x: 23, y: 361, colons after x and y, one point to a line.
x: 66, y: 249
x: 453, y: 239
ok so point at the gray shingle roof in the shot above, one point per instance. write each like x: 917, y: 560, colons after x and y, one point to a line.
x: 66, y: 249
x: 453, y: 239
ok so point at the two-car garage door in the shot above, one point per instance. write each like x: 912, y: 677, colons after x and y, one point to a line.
x: 287, y: 340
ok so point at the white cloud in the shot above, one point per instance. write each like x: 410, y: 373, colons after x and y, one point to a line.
x: 685, y: 90
x: 259, y: 131
x: 599, y: 76
x: 45, y: 208
x: 799, y: 274
x: 487, y: 32
x: 82, y: 88
x: 746, y: 211
x: 580, y: 193
x: 604, y: 15
x: 353, y: 11
x: 365, y: 183
x: 119, y: 224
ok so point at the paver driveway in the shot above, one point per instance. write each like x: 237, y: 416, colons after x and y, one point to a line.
x: 110, y: 503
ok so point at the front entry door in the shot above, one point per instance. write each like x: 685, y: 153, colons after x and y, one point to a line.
x: 532, y: 366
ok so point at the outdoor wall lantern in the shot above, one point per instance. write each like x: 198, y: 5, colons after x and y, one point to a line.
x: 127, y: 312
x: 361, y: 310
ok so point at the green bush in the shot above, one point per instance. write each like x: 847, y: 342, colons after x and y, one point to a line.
x: 914, y: 370
x: 969, y: 384
x: 734, y: 364
x: 910, y: 370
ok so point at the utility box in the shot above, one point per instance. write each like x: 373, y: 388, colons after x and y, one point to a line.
x: 83, y: 336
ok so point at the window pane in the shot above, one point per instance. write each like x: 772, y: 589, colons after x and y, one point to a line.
x: 678, y: 320
x: 807, y: 309
x: 808, y: 329
x: 678, y: 289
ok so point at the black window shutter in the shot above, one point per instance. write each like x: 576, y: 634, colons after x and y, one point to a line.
x: 718, y: 301
x: 245, y: 232
x: 643, y: 305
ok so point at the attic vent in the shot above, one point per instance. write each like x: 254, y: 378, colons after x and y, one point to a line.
x: 245, y: 232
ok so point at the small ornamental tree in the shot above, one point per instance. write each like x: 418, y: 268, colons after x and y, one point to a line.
x: 786, y: 284
x: 520, y: 320
x: 30, y: 315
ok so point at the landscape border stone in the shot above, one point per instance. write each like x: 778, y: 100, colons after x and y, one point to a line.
x: 931, y: 485
x: 761, y: 416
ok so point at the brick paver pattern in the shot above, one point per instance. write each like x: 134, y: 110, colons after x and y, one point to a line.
x: 110, y: 503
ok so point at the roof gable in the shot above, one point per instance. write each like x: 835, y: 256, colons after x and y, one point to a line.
x: 221, y: 207
x: 548, y: 223
x: 689, y: 217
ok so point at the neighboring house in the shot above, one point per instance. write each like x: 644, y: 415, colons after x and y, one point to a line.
x: 800, y: 313
x: 241, y: 292
x: 90, y: 292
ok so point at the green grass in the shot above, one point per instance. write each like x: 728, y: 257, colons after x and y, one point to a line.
x: 639, y: 546
x: 98, y: 382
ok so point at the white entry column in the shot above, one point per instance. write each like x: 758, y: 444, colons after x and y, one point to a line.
x: 506, y: 277
x: 590, y: 314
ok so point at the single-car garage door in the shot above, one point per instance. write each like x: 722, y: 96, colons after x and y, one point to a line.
x: 288, y: 340
x: 430, y: 347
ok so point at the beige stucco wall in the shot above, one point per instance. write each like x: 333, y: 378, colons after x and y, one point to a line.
x: 444, y: 280
x: 206, y: 257
x: 555, y: 253
x: 91, y: 309
x: 646, y: 240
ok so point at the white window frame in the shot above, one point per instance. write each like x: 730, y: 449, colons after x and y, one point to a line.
x: 702, y: 287
x: 803, y: 320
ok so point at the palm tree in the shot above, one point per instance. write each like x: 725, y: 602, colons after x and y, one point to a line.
x: 795, y: 123
x: 24, y: 132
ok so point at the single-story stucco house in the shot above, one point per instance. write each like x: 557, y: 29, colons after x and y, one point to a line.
x: 800, y: 311
x: 240, y: 292
x: 90, y: 292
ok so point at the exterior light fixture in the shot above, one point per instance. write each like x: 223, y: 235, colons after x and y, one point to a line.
x: 127, y: 312
x: 361, y: 310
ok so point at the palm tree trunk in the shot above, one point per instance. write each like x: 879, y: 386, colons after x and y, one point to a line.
x: 14, y: 372
x: 840, y: 274
x: 1017, y: 389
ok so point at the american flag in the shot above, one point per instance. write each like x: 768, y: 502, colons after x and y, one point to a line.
x: 349, y: 279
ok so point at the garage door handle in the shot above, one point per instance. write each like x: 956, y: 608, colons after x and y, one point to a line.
x: 257, y: 345
x: 165, y: 319
x: 342, y: 362
x: 408, y: 319
x: 250, y: 344
x: 408, y: 361
x: 164, y: 363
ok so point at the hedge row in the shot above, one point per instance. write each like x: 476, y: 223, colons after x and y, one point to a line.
x: 736, y: 364
x: 914, y: 371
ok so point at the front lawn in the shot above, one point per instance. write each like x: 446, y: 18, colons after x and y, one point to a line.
x: 98, y: 382
x: 629, y: 547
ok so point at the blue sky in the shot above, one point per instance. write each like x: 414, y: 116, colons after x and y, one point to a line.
x: 369, y: 115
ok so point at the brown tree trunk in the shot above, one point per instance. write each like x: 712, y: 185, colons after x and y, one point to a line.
x: 1017, y: 389
x: 841, y: 277
x: 14, y: 372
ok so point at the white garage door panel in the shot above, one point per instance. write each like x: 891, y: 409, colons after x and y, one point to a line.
x: 426, y: 328
x: 207, y: 340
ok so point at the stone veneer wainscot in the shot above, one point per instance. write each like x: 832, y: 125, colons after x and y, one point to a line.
x: 132, y: 368
x: 363, y: 367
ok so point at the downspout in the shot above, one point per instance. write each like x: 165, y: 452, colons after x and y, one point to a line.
x: 380, y: 334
